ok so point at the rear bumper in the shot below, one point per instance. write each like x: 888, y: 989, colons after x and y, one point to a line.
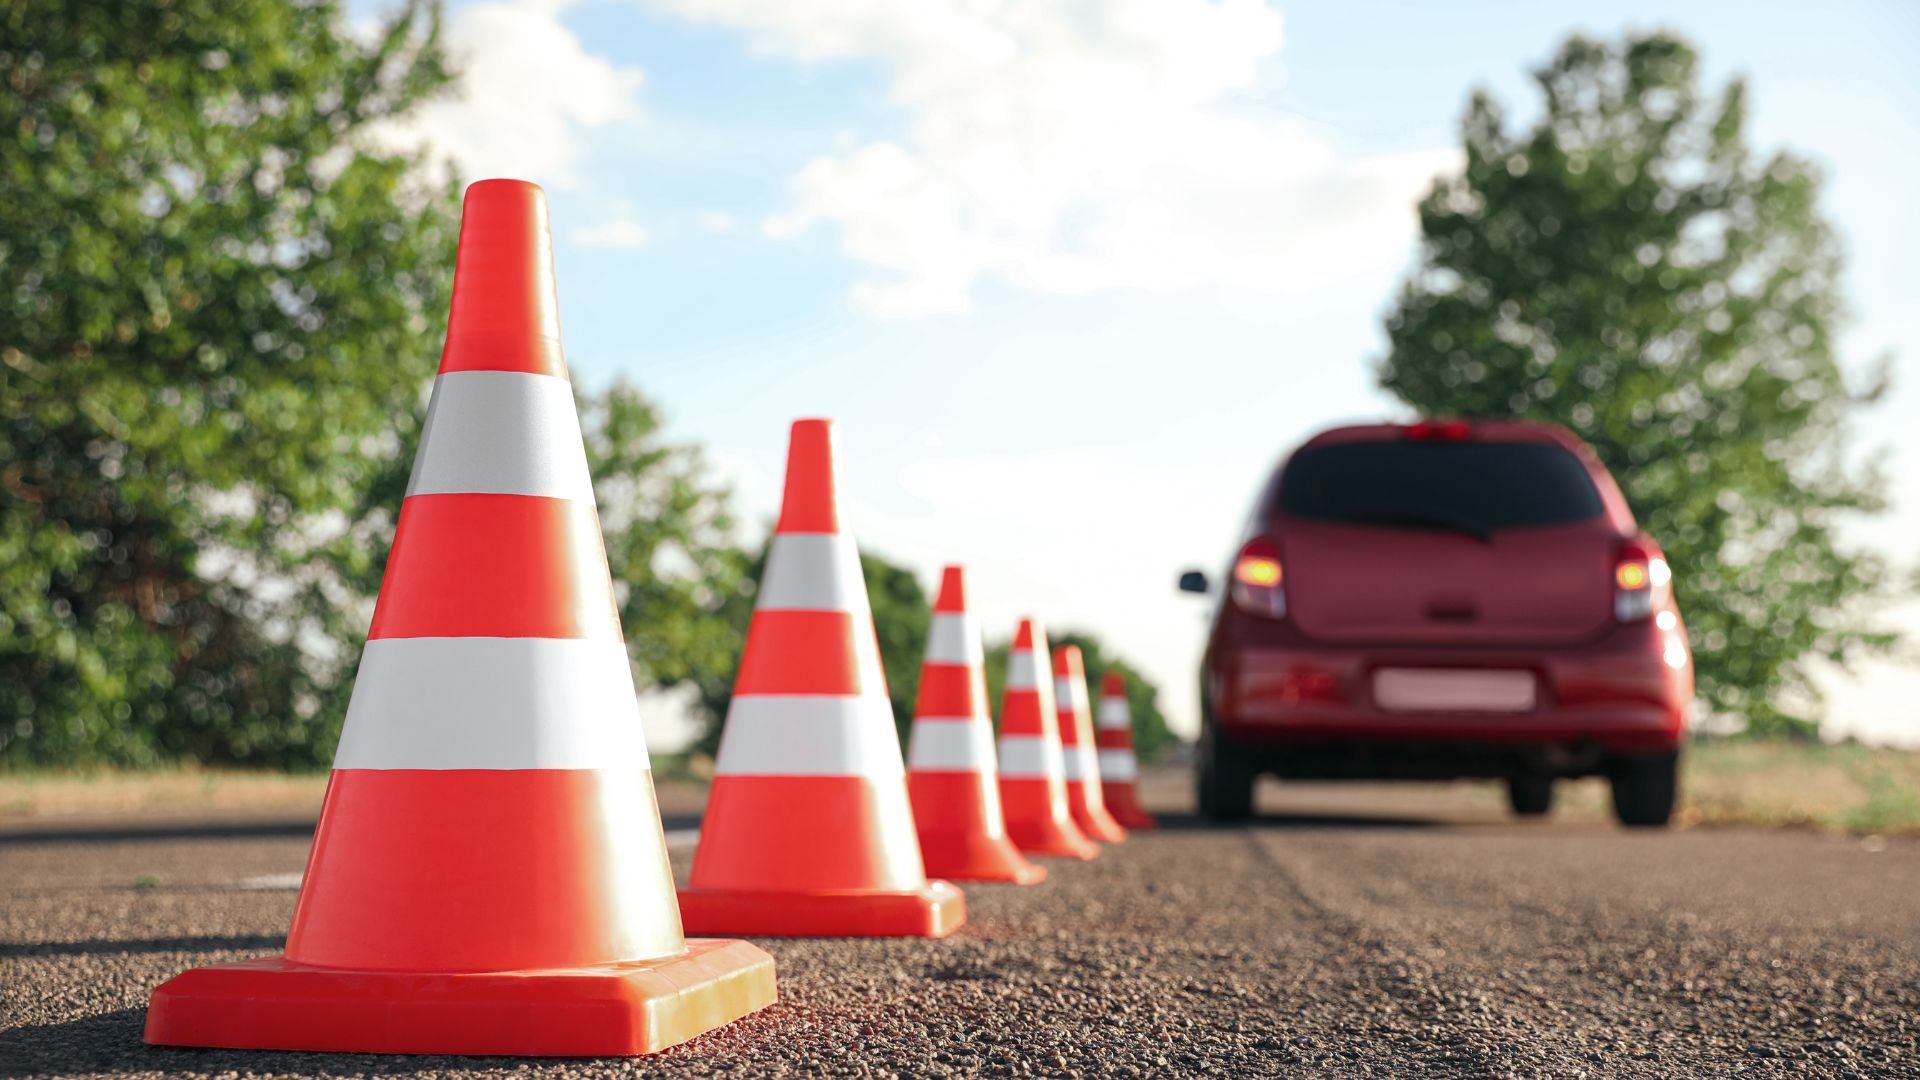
x: 1273, y: 688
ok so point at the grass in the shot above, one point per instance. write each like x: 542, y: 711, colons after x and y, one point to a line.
x: 190, y: 792
x: 1843, y: 787
x: 181, y: 792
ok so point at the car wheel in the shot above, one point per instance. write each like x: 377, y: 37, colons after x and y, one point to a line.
x: 1225, y: 778
x: 1645, y: 789
x: 1530, y: 795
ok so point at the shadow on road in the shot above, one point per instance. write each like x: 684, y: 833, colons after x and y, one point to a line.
x: 111, y: 1044
x: 1314, y: 820
x: 109, y: 947
x: 193, y: 830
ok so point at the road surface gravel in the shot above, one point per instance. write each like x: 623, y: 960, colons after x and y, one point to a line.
x: 1354, y: 931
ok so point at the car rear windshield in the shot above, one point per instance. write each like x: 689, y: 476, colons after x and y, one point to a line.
x: 1476, y: 487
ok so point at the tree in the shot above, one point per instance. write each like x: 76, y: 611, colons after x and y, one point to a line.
x: 213, y: 305
x: 221, y: 315
x: 1151, y: 735
x: 1629, y: 268
x: 682, y: 585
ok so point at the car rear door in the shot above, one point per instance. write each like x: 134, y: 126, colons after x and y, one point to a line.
x: 1463, y: 542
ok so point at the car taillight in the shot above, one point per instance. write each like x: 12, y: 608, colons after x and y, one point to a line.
x: 1440, y: 430
x: 1640, y: 581
x: 1256, y: 587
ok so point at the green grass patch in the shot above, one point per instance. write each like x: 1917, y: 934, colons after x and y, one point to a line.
x: 1842, y: 786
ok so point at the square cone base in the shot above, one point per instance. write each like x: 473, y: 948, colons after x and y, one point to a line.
x: 933, y: 911
x: 607, y: 1010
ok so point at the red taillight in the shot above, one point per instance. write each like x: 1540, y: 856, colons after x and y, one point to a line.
x: 1640, y: 580
x: 1256, y: 587
x: 1440, y: 430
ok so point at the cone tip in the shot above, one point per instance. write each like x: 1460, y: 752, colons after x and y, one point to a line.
x: 1031, y: 636
x: 503, y: 187
x: 1114, y: 684
x: 504, y: 314
x: 810, y: 504
x: 953, y: 590
x: 1067, y: 660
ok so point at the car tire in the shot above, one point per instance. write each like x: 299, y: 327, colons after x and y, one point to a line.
x: 1530, y: 795
x: 1645, y: 789
x: 1224, y: 779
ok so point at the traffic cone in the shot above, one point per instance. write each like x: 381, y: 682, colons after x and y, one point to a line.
x: 950, y: 769
x: 1033, y: 783
x: 489, y: 874
x: 1119, y: 771
x: 1079, y: 757
x: 808, y: 831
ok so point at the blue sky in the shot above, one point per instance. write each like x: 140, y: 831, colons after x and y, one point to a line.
x: 1072, y: 277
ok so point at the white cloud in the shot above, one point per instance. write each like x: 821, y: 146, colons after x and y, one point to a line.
x: 619, y: 232
x: 718, y: 222
x: 528, y: 97
x: 1067, y: 148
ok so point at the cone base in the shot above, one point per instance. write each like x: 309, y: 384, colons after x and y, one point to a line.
x: 933, y: 911
x: 1098, y: 825
x: 1051, y: 839
x: 964, y: 857
x: 1124, y: 804
x: 608, y: 1010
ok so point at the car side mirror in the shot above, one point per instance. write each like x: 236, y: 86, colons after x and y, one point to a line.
x: 1193, y: 581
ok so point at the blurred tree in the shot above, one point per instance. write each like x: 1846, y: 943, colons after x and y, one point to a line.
x: 214, y: 302
x: 902, y: 611
x: 684, y: 588
x: 221, y: 311
x: 901, y: 614
x: 1151, y: 735
x: 1628, y: 268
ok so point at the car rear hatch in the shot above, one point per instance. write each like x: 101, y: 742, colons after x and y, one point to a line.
x: 1445, y: 542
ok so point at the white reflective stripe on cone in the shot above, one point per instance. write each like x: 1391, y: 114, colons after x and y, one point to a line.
x: 1081, y: 762
x: 952, y: 638
x: 1118, y: 766
x: 950, y: 745
x: 813, y: 572
x: 809, y: 735
x: 1022, y: 672
x: 1112, y: 714
x: 501, y: 433
x: 492, y: 703
x: 1070, y: 695
x: 1026, y: 757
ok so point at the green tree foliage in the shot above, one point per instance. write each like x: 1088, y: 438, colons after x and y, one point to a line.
x: 902, y: 611
x: 220, y: 316
x: 682, y: 585
x: 1626, y: 266
x: 1151, y: 736
x: 212, y: 309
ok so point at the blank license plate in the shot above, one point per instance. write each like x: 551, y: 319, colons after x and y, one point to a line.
x: 1453, y: 690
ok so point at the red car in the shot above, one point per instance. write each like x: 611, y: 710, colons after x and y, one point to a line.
x: 1440, y: 600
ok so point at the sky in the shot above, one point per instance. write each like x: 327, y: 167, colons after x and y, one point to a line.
x: 1073, y: 277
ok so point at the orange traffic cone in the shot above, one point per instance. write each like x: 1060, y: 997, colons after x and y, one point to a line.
x: 950, y: 770
x: 489, y: 874
x: 1080, y: 758
x: 1033, y: 783
x: 808, y: 831
x: 1119, y: 771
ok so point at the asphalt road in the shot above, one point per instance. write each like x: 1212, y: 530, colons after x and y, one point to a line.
x: 1355, y: 931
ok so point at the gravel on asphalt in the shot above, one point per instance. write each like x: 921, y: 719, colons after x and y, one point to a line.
x: 1351, y: 931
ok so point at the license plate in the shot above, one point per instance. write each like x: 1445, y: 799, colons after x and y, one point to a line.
x: 1453, y: 690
